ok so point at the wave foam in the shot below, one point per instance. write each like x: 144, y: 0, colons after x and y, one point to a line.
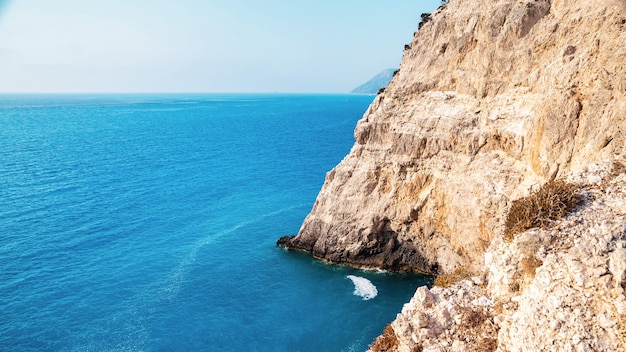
x: 363, y: 287
x: 177, y: 276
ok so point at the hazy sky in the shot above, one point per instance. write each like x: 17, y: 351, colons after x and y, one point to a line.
x: 201, y: 45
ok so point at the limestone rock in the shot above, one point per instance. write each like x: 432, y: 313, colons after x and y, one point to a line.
x: 617, y: 266
x: 492, y: 99
x: 569, y: 298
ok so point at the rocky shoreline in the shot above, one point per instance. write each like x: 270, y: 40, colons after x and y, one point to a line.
x: 493, y: 99
x: 384, y: 254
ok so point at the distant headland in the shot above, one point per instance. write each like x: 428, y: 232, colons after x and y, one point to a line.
x: 376, y: 83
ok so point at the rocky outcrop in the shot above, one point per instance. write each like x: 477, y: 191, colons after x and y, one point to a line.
x: 554, y: 289
x: 493, y: 98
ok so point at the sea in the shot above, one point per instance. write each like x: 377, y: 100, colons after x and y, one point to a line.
x: 149, y: 222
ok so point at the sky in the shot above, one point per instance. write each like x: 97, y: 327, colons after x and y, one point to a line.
x: 321, y: 46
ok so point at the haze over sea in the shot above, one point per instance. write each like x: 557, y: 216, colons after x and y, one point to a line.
x: 148, y: 223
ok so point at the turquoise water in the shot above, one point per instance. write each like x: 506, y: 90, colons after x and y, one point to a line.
x: 148, y: 223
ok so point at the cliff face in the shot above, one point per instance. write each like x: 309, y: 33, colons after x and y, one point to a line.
x: 557, y: 289
x: 493, y: 98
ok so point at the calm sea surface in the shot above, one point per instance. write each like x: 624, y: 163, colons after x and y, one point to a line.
x: 148, y: 223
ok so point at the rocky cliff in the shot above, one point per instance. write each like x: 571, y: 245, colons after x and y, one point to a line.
x: 554, y: 289
x: 493, y: 98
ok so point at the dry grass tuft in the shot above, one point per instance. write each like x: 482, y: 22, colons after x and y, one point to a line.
x: 474, y: 319
x: 487, y: 345
x: 529, y: 265
x: 553, y: 200
x: 386, y: 342
x: 445, y: 280
x: 478, y: 330
x: 418, y: 348
x: 617, y: 169
x: 525, y: 273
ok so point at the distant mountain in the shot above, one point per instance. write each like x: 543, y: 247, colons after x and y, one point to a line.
x: 373, y: 85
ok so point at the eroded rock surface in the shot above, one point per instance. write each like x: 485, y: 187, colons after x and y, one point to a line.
x: 554, y: 289
x: 493, y: 98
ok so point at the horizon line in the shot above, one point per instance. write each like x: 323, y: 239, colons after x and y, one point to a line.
x: 174, y: 92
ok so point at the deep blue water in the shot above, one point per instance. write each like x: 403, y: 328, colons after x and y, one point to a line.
x: 148, y: 223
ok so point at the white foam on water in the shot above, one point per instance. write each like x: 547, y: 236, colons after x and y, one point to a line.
x: 363, y: 287
x: 134, y: 317
x: 354, y: 347
x: 176, y: 277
